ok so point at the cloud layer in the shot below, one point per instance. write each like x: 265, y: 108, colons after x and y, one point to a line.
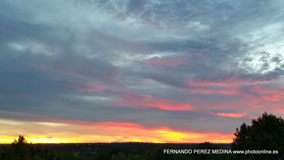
x: 195, y: 67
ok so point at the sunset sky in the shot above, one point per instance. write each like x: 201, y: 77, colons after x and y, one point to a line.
x: 138, y: 70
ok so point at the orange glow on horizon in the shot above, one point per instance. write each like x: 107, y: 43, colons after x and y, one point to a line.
x: 103, y: 132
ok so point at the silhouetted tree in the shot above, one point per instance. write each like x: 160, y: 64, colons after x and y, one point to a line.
x: 20, y: 149
x: 21, y: 140
x: 266, y: 132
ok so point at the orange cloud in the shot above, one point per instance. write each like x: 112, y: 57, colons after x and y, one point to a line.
x: 231, y: 115
x: 146, y: 101
x: 83, y: 132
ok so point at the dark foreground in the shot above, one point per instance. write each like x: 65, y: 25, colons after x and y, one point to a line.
x: 118, y: 151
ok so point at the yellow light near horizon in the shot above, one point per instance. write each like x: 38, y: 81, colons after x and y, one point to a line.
x: 104, y: 132
x: 5, y: 141
x: 222, y: 141
x: 47, y: 140
x: 171, y: 135
x: 191, y: 137
x: 10, y: 140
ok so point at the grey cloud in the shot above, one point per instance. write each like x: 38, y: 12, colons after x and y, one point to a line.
x: 86, y: 39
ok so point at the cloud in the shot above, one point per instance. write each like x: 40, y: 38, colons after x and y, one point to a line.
x: 160, y: 62
x: 231, y: 115
x: 273, y: 95
x: 145, y: 101
x: 256, y: 88
x: 146, y: 62
x: 89, y: 87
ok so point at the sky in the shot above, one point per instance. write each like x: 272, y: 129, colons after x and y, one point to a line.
x: 138, y: 70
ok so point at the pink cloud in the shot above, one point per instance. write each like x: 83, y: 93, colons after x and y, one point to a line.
x: 231, y: 115
x: 146, y: 101
x: 272, y: 95
x: 215, y: 91
x: 229, y: 81
x: 235, y: 115
x: 213, y: 87
x: 232, y: 85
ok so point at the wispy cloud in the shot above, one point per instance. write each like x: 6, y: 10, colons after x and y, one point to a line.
x: 145, y: 101
x: 231, y: 115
